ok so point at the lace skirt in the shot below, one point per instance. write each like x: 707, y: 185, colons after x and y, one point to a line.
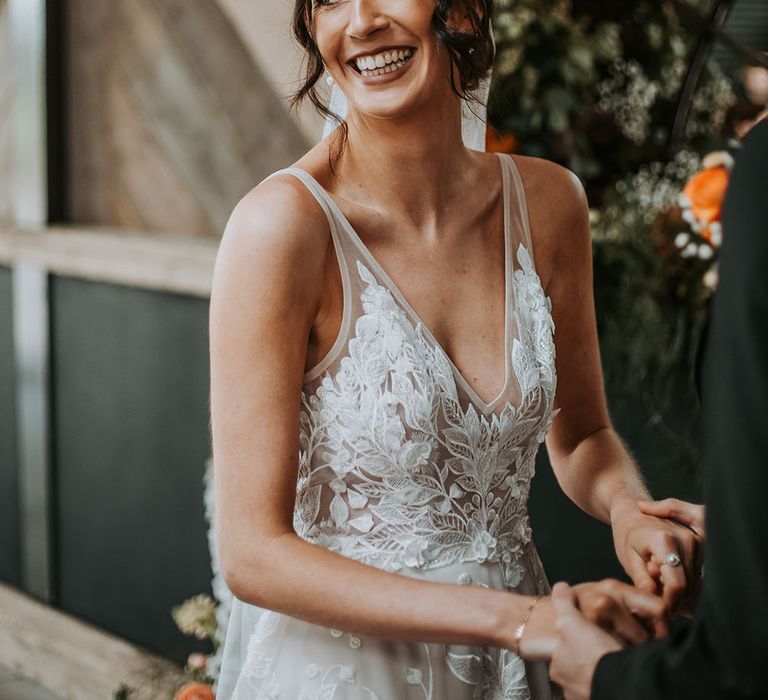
x: 268, y: 655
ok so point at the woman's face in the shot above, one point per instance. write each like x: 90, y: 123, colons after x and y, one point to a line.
x: 383, y: 54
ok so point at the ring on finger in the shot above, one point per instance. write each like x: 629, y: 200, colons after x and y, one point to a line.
x: 673, y: 559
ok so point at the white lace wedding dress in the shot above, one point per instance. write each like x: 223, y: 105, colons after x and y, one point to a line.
x: 403, y: 467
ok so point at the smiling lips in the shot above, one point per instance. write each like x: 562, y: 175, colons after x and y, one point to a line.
x: 383, y: 62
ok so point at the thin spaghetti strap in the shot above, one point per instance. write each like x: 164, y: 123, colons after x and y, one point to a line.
x: 317, y: 192
x: 327, y: 205
x: 522, y: 207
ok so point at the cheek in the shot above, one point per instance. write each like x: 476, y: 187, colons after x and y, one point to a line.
x: 329, y: 32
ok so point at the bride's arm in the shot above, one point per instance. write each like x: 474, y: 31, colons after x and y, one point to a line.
x: 592, y: 464
x: 266, y: 294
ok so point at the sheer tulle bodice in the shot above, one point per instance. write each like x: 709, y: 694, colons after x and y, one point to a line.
x: 404, y: 467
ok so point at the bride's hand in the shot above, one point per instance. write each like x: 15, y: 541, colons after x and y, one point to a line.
x: 692, y: 516
x: 646, y: 543
x: 625, y: 612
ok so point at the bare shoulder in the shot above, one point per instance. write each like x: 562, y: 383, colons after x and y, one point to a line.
x: 553, y: 193
x: 558, y: 212
x: 278, y: 217
x: 276, y: 230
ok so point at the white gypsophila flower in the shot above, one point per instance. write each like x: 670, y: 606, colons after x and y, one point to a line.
x: 629, y: 94
x: 716, y: 159
x: 194, y: 615
x: 642, y: 195
x: 607, y: 41
x: 711, y: 277
x: 710, y: 104
x: 690, y: 250
x: 672, y: 75
x: 508, y: 59
x: 705, y: 252
x: 716, y: 233
x: 655, y: 34
x: 682, y: 239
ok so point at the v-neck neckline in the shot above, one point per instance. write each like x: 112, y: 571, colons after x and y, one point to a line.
x: 486, y: 407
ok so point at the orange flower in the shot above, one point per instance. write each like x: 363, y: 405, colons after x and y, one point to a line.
x: 195, y: 691
x: 703, y: 196
x: 499, y: 143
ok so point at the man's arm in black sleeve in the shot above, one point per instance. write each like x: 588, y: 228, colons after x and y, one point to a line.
x: 722, y: 652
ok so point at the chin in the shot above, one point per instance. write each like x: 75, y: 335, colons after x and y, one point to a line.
x: 389, y: 104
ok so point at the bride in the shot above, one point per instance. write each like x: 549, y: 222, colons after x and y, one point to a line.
x: 384, y: 323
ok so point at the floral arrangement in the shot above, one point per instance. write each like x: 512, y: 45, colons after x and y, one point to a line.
x: 594, y: 86
x: 196, y: 617
x: 701, y: 203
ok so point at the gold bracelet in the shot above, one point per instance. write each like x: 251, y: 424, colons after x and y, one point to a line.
x: 518, y: 637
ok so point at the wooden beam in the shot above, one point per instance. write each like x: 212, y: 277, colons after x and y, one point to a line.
x: 160, y: 262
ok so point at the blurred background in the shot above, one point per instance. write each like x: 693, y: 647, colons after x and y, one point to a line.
x: 129, y: 129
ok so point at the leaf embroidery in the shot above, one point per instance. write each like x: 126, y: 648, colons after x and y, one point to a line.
x: 394, y: 471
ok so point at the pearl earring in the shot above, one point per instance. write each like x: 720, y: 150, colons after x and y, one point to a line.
x: 329, y: 80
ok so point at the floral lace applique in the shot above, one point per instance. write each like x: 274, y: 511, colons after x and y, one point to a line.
x: 394, y: 472
x: 329, y: 680
x: 497, y: 674
x: 258, y: 680
x: 354, y: 641
x: 416, y: 677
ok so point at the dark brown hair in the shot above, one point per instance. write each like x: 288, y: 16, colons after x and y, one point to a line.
x: 470, y: 52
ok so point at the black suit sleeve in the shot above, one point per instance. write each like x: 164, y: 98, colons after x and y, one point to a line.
x: 723, y: 652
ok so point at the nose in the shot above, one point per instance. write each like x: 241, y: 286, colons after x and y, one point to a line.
x: 366, y: 18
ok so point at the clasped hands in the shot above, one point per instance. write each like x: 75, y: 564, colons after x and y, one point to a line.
x: 594, y: 619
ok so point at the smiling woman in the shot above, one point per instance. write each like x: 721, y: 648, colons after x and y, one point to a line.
x: 383, y: 373
x: 470, y: 47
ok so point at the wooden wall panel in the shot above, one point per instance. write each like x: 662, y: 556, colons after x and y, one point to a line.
x: 88, y: 28
x: 171, y: 121
x: 266, y: 30
x: 6, y: 100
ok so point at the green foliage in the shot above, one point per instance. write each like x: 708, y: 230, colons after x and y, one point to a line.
x: 594, y: 86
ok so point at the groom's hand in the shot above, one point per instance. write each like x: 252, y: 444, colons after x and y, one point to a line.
x: 689, y: 514
x: 629, y: 614
x: 622, y: 611
x: 580, y: 645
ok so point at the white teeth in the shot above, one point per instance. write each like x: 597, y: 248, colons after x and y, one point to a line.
x: 383, y: 59
x: 381, y: 71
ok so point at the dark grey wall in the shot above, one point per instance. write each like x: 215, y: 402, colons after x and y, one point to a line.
x: 130, y: 440
x: 10, y: 563
x: 575, y: 547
